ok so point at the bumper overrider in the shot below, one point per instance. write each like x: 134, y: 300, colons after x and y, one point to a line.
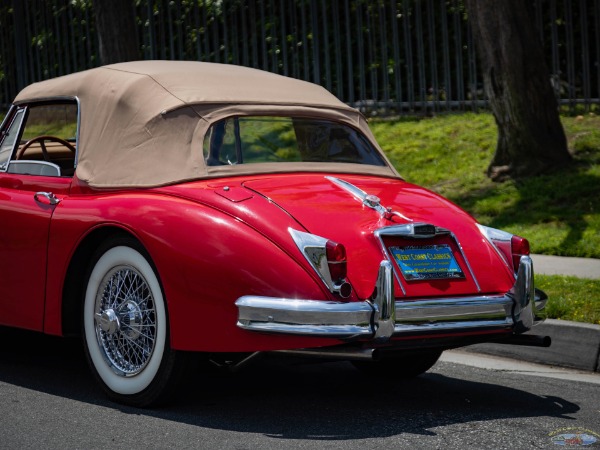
x: 382, y: 317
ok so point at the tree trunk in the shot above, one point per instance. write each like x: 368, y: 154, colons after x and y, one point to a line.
x: 117, y: 31
x: 517, y: 84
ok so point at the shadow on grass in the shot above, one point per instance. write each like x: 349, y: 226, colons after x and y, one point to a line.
x: 561, y: 206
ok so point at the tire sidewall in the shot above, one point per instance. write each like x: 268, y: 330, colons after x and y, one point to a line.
x: 116, y: 255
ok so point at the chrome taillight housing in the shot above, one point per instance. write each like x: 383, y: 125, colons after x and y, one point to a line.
x: 327, y: 257
x: 510, y: 246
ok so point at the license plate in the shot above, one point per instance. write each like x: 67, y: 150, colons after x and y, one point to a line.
x: 429, y: 262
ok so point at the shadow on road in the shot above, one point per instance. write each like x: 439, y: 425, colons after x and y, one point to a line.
x: 288, y: 399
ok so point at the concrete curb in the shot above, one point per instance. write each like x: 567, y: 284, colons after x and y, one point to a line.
x: 575, y: 345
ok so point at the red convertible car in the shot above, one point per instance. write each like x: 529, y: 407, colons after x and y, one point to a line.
x: 162, y: 208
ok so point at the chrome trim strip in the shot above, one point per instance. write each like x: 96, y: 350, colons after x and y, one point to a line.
x: 77, y: 140
x: 384, y: 318
x: 454, y: 326
x: 304, y: 317
x: 371, y: 201
x: 523, y: 293
x: 499, y: 235
x: 388, y: 257
x: 454, y: 309
x: 407, y: 230
x: 9, y: 120
x: 329, y: 331
x: 358, y: 193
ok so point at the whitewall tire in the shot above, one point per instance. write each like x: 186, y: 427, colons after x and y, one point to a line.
x: 125, y: 326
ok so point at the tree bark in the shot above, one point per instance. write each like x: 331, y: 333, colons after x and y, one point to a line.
x: 517, y: 84
x: 117, y: 31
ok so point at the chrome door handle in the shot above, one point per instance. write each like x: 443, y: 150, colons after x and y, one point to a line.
x: 47, y: 198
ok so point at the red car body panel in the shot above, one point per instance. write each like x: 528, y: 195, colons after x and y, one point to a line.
x: 195, y: 231
x: 192, y: 246
x: 171, y: 222
x: 326, y: 210
x: 25, y: 223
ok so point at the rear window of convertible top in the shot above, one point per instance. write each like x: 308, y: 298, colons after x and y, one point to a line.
x: 259, y: 139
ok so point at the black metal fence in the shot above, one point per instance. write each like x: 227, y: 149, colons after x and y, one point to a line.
x: 384, y: 56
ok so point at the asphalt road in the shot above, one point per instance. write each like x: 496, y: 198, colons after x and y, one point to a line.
x: 48, y: 400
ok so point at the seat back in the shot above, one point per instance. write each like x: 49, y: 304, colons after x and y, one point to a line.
x: 43, y: 168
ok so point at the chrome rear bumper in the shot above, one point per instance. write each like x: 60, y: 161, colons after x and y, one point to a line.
x: 384, y: 318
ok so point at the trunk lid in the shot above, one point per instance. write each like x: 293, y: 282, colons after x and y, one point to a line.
x: 332, y: 207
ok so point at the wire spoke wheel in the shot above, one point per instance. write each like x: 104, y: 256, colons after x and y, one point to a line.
x: 125, y: 326
x: 125, y: 320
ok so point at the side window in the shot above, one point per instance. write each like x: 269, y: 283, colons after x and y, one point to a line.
x: 220, y: 144
x: 47, y: 144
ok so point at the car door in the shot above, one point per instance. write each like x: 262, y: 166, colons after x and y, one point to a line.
x: 34, y: 178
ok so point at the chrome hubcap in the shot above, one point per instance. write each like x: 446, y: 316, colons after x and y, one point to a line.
x: 132, y: 320
x: 125, y: 320
x: 108, y: 321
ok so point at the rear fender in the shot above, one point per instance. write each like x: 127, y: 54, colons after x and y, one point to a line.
x: 210, y: 262
x: 206, y: 259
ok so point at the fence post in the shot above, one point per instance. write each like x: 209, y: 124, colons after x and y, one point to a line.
x: 403, y: 56
x: 20, y: 49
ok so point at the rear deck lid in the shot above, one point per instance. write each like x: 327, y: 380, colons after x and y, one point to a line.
x: 448, y: 259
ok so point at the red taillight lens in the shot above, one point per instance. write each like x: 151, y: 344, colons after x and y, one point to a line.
x: 520, y: 247
x: 336, y: 260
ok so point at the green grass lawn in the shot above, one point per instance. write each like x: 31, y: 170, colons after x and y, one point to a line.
x: 559, y: 213
x: 571, y: 298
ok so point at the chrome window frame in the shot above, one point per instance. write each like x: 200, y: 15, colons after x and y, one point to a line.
x: 60, y: 99
x: 379, y: 154
x: 7, y: 123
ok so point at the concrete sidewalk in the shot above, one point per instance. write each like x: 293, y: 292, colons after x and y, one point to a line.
x: 574, y: 344
x: 563, y: 265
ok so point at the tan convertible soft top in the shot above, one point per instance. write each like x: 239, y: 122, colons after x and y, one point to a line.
x: 142, y: 123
